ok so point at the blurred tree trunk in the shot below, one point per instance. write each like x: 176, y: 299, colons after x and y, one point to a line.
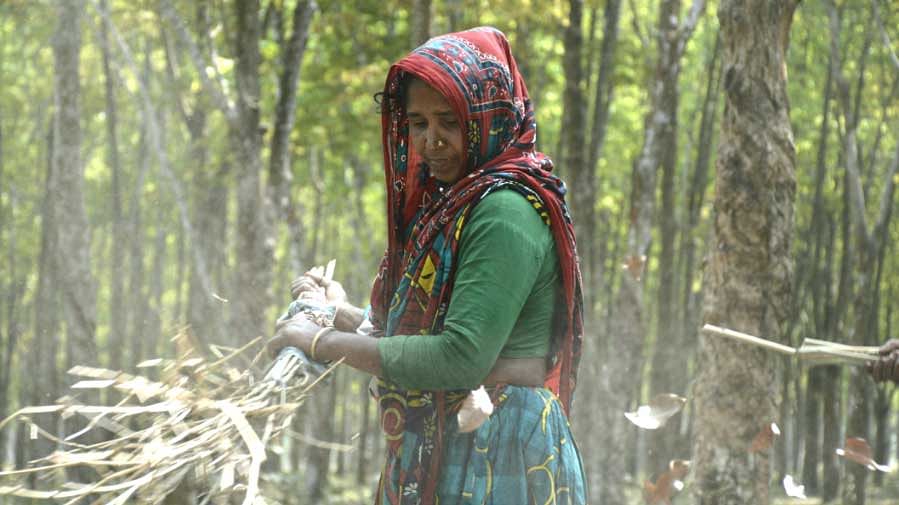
x: 118, y: 315
x: 76, y: 282
x: 137, y: 294
x: 819, y: 287
x: 623, y: 348
x: 14, y: 288
x: 364, y: 429
x: 251, y: 295
x: 573, y: 141
x: 868, y: 244
x: 280, y: 175
x: 319, y: 457
x: 748, y: 277
x: 660, y: 151
x: 454, y: 14
x: 691, y: 297
x: 604, y: 93
x: 419, y: 22
x: 208, y: 190
x: 67, y: 196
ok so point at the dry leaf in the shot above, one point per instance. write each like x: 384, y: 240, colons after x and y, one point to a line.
x: 858, y: 450
x: 657, y: 412
x: 764, y: 438
x: 476, y: 408
x: 635, y: 265
x: 667, y: 483
x: 793, y: 488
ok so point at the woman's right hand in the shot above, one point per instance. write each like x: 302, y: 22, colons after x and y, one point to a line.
x: 316, y: 286
x: 306, y: 286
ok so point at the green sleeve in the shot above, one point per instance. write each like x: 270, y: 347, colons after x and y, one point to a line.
x: 500, y: 253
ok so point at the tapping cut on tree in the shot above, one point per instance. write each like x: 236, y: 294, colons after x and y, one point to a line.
x: 857, y: 450
x: 657, y: 412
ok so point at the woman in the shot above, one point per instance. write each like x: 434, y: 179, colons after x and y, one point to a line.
x: 479, y: 285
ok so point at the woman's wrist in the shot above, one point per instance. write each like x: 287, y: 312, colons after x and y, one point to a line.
x: 348, y: 317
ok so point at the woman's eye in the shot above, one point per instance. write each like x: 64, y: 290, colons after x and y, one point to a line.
x: 418, y: 125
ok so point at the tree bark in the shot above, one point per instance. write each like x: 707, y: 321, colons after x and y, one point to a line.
x: 868, y: 240
x: 660, y: 151
x: 573, y: 140
x: 280, y: 174
x: 251, y: 295
x: 73, y: 258
x: 748, y: 276
x: 117, y: 308
x: 420, y: 22
x: 604, y: 93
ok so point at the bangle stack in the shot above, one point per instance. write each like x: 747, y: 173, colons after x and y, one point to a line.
x: 319, y: 334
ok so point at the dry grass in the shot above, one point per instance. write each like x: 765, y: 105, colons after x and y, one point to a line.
x: 206, y: 421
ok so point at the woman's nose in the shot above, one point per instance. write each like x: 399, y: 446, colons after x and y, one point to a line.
x: 433, y: 140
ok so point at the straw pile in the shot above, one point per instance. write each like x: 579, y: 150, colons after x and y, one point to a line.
x: 206, y: 420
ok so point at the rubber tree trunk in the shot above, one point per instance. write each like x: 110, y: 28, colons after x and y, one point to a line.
x: 255, y: 245
x: 749, y: 271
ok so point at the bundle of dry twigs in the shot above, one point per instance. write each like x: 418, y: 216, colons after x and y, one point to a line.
x: 207, y: 420
x: 812, y: 351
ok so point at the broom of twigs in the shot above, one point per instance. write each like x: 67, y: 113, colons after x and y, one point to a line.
x: 207, y: 420
x: 812, y: 351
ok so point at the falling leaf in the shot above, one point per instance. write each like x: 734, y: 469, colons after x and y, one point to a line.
x: 476, y: 408
x: 667, y: 483
x: 793, y: 488
x: 634, y: 265
x: 858, y: 450
x: 764, y: 439
x: 655, y: 414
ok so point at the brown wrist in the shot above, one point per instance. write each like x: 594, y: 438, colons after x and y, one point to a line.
x: 347, y: 317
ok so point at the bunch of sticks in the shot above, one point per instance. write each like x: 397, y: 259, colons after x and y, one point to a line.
x: 207, y: 420
x: 812, y: 351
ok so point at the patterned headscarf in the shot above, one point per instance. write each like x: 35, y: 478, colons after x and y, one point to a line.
x: 475, y: 71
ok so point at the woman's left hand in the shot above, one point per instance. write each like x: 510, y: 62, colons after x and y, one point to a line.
x: 297, y: 331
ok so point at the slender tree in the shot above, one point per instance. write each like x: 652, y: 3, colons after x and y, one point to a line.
x: 748, y: 275
x: 117, y: 308
x: 77, y: 283
x: 279, y: 173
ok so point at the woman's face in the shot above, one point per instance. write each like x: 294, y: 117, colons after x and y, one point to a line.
x: 435, y: 131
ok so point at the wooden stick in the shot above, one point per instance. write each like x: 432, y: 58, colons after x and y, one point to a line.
x: 748, y: 339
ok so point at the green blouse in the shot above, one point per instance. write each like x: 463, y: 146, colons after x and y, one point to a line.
x: 506, y: 285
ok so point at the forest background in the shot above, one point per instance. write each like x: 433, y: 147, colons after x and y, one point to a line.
x: 170, y: 163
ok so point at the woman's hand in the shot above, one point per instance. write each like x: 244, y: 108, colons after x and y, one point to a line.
x: 297, y: 331
x: 887, y: 367
x: 313, y: 286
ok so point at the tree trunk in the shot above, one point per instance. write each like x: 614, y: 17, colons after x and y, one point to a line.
x: 660, y: 151
x: 573, y: 142
x: 604, y: 93
x: 280, y: 174
x: 748, y: 276
x: 868, y: 241
x: 420, y: 22
x: 117, y: 309
x: 40, y: 367
x: 77, y: 287
x: 251, y: 295
x: 362, y: 464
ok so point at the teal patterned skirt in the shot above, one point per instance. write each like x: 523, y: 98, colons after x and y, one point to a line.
x: 523, y: 454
